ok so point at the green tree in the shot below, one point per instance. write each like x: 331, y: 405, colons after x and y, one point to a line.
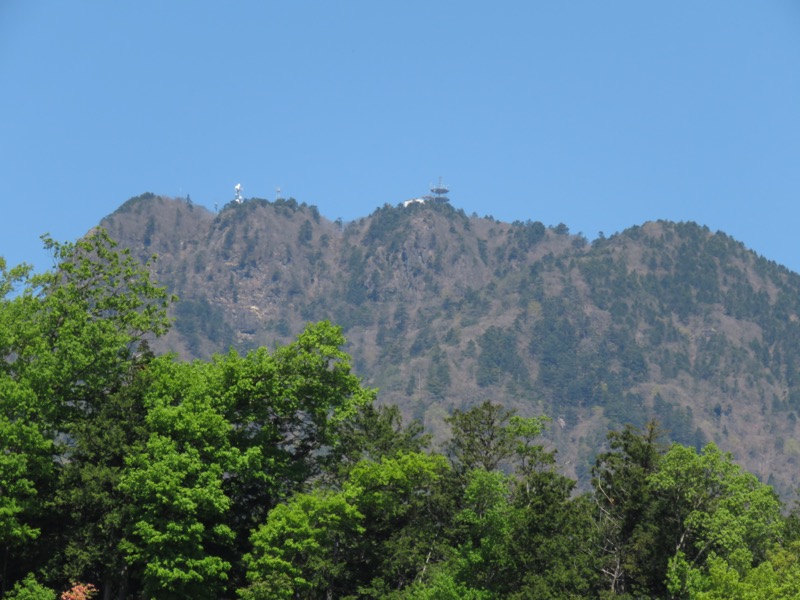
x: 25, y: 463
x: 552, y: 537
x: 286, y: 410
x: 30, y: 589
x: 522, y: 535
x: 92, y: 313
x: 179, y: 505
x: 228, y: 441
x: 66, y: 344
x: 377, y: 534
x: 96, y: 512
x: 777, y: 578
x: 177, y: 532
x: 407, y: 510
x: 302, y: 550
x: 480, y: 437
x: 483, y: 529
x: 633, y: 551
x: 374, y: 432
x: 713, y: 508
x: 516, y: 533
x: 441, y: 584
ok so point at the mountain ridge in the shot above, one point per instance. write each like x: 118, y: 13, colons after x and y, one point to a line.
x: 444, y: 310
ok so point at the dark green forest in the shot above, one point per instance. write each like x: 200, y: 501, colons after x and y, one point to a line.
x: 275, y: 474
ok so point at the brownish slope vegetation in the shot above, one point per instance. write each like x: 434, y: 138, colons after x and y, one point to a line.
x: 444, y: 310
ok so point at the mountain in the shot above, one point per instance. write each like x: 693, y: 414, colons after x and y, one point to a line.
x: 444, y: 310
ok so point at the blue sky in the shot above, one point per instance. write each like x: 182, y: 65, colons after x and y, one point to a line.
x: 600, y: 115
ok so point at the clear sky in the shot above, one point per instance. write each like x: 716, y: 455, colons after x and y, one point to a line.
x: 600, y: 115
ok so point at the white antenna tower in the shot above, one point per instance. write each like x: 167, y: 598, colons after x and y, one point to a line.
x: 238, y: 190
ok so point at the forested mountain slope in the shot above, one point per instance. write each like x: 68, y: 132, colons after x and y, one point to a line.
x: 444, y: 310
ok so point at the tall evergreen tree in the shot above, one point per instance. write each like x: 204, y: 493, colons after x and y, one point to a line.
x: 631, y: 550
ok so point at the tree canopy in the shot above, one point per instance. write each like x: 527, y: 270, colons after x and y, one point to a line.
x: 273, y: 474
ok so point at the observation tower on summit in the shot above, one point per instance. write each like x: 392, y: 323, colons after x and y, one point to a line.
x: 439, y: 192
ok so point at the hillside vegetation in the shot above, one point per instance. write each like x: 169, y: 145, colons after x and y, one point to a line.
x: 443, y: 310
x: 274, y: 474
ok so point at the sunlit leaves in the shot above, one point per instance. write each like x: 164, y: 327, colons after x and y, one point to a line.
x: 303, y: 548
x: 715, y: 508
x: 180, y: 504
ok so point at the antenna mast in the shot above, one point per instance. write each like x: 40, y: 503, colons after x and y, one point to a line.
x: 439, y: 192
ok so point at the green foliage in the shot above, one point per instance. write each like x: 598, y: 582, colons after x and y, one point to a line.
x: 180, y: 502
x: 481, y: 437
x: 331, y: 543
x: 529, y: 233
x: 518, y: 535
x: 30, y: 589
x: 439, y: 379
x: 441, y: 585
x: 24, y: 462
x: 68, y: 343
x: 485, y: 525
x: 498, y: 355
x: 94, y: 310
x: 198, y: 320
x: 228, y: 440
x: 301, y: 551
x: 714, y: 507
x: 488, y: 435
x: 680, y: 522
x: 385, y: 489
x: 145, y: 474
x: 404, y: 501
x: 633, y: 550
x: 274, y: 474
x: 776, y: 578
x: 88, y: 498
x: 373, y: 433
